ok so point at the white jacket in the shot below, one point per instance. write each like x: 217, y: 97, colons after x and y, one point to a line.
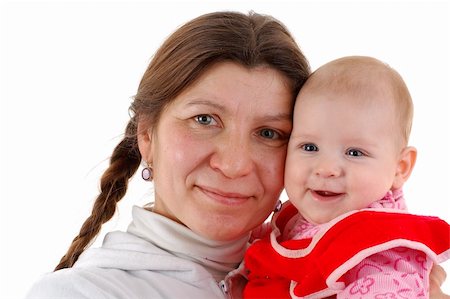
x: 155, y: 258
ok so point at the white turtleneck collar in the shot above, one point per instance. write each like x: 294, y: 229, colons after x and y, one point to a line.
x: 218, y: 257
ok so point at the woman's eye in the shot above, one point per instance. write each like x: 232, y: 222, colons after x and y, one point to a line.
x: 269, y: 134
x: 310, y: 147
x: 204, y: 119
x: 354, y: 153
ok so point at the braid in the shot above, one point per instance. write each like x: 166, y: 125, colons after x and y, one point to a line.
x: 113, y: 185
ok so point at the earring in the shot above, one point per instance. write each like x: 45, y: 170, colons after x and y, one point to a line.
x: 147, y: 172
x: 278, y: 206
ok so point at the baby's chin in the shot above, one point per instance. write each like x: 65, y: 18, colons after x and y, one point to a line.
x: 322, y: 217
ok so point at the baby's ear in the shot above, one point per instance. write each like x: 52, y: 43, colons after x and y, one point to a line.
x: 405, y: 165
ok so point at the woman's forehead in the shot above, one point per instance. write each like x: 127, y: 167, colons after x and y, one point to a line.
x: 231, y: 87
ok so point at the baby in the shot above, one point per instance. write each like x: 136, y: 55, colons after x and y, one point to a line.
x: 345, y: 231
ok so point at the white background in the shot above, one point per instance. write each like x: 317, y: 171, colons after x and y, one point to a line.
x: 69, y: 70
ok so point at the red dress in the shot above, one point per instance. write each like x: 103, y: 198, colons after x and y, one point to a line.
x: 314, y: 267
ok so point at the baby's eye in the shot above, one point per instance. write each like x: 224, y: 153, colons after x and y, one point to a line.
x: 269, y: 134
x: 204, y: 119
x: 310, y: 147
x: 354, y: 153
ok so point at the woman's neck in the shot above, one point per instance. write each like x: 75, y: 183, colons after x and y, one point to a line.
x: 218, y: 257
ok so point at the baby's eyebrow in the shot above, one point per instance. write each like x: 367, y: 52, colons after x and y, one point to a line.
x: 303, y: 136
x: 367, y: 142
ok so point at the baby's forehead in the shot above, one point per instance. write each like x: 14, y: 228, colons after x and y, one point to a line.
x: 353, y: 75
x: 365, y: 93
x: 361, y: 78
x: 363, y: 81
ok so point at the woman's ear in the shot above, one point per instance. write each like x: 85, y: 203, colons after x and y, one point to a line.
x: 405, y: 165
x: 144, y: 138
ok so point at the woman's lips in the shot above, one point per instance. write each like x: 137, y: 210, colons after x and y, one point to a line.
x: 226, y: 198
x: 323, y: 195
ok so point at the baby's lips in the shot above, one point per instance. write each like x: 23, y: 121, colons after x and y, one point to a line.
x: 326, y: 193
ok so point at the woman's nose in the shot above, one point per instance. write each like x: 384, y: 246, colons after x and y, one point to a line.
x: 233, y: 157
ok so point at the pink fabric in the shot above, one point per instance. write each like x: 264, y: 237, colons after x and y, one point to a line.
x: 392, y: 274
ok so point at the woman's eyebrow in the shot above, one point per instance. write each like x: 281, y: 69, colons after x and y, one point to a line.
x: 206, y: 103
x: 276, y: 117
x: 264, y: 118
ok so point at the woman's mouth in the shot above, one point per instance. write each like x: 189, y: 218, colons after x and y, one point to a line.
x: 226, y: 198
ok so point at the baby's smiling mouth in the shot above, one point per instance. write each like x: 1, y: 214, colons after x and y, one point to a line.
x: 326, y: 193
x: 323, y: 195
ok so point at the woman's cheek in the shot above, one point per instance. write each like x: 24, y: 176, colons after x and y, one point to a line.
x: 185, y: 144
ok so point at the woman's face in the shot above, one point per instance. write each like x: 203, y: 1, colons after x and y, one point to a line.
x: 218, y: 151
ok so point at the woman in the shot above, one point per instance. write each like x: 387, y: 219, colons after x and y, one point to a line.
x: 210, y: 122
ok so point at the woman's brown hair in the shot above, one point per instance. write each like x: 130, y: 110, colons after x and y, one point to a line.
x: 249, y: 40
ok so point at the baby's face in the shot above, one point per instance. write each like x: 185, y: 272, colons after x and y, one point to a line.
x: 342, y: 154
